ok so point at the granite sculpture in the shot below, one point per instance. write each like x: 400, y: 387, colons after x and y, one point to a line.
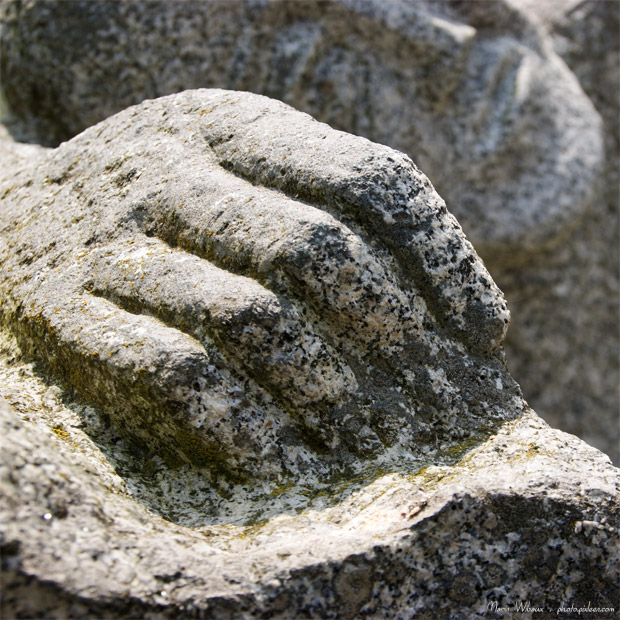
x: 236, y: 278
x: 474, y: 93
x: 268, y: 380
x: 475, y: 96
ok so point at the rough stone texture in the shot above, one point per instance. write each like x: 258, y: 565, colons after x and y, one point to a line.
x: 264, y: 333
x: 472, y: 91
x: 224, y: 420
x: 528, y: 517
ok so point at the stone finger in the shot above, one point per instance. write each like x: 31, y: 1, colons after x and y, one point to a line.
x: 295, y: 249
x: 159, y: 385
x: 263, y: 333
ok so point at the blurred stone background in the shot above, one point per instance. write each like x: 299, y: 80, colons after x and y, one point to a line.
x: 510, y: 107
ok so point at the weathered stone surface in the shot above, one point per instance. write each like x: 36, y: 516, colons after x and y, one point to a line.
x: 529, y: 516
x: 262, y: 333
x: 251, y: 433
x: 472, y: 91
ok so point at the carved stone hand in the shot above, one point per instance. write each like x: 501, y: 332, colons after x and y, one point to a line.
x: 248, y: 290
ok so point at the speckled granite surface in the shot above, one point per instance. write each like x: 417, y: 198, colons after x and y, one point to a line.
x: 475, y: 93
x: 267, y: 333
x: 200, y: 427
x: 476, y: 97
x: 528, y: 517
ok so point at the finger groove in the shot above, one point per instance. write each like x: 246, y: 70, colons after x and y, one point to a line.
x: 296, y: 250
